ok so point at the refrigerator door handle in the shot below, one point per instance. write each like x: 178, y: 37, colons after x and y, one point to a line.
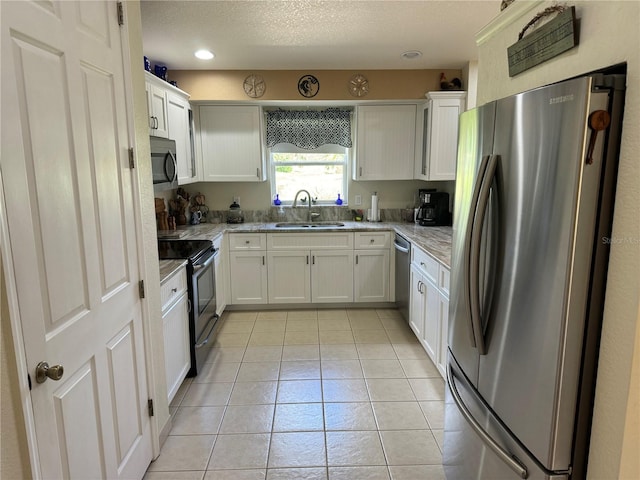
x: 467, y: 245
x: 512, y: 462
x: 474, y: 252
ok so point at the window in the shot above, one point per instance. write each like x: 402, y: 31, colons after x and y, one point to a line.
x: 309, y: 149
x: 321, y: 171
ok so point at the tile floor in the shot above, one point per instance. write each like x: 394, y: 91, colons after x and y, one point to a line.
x: 309, y: 395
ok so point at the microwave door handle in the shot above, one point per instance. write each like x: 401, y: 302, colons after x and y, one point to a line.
x: 171, y: 156
x: 474, y: 256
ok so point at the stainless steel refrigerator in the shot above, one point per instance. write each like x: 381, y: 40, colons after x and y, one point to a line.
x: 533, y: 205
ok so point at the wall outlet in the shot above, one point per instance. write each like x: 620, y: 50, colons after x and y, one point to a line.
x: 237, y: 200
x: 358, y: 200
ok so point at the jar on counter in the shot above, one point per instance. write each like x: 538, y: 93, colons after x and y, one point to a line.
x: 234, y: 215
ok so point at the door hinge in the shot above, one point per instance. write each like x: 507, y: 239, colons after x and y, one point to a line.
x: 141, y: 288
x: 120, y: 14
x: 132, y: 163
x: 150, y: 406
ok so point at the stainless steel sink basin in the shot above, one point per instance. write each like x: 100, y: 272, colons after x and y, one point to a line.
x: 309, y: 225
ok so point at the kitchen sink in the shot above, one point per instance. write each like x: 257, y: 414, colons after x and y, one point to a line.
x: 309, y: 225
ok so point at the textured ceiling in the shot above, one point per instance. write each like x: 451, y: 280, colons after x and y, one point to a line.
x: 320, y: 35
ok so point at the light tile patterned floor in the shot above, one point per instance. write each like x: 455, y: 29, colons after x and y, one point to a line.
x: 309, y: 395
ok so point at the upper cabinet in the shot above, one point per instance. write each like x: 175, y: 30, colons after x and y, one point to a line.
x: 231, y: 143
x: 385, y: 142
x: 440, y: 140
x: 170, y: 116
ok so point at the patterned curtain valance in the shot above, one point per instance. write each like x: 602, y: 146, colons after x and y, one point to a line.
x: 309, y: 129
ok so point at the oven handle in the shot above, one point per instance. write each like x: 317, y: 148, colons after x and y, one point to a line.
x: 206, y: 263
x: 213, y: 326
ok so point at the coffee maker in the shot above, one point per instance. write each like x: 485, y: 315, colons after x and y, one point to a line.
x: 434, y: 208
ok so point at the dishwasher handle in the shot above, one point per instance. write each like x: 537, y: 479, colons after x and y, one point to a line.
x: 400, y: 248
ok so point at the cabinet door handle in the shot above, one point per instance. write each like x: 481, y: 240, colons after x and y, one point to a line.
x: 258, y: 172
x: 263, y: 260
x: 356, y: 259
x: 307, y: 259
x: 360, y: 171
x: 313, y: 259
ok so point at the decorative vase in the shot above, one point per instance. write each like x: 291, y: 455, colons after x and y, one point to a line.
x: 339, y: 200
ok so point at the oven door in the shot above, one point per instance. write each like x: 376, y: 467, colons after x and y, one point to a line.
x: 204, y: 314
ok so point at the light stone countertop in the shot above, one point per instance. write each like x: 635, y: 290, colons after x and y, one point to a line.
x: 168, y: 267
x: 436, y: 241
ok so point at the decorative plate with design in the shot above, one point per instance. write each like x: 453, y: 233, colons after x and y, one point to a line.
x: 254, y: 86
x: 308, y: 86
x: 358, y: 85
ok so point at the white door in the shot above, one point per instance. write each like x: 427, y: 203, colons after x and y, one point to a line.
x: 69, y: 210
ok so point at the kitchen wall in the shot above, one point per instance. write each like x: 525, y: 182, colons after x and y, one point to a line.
x: 283, y: 84
x: 609, y: 35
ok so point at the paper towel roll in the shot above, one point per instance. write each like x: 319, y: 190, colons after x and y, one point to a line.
x: 374, y: 207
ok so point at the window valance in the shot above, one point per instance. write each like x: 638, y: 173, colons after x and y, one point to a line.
x: 309, y: 129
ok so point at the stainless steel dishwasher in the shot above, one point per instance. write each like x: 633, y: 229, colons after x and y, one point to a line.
x: 403, y: 262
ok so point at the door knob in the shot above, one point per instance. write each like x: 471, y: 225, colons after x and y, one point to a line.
x: 44, y: 371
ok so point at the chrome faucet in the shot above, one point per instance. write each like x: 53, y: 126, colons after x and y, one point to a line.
x: 295, y: 202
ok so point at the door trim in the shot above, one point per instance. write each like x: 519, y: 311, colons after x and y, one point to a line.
x: 15, y: 320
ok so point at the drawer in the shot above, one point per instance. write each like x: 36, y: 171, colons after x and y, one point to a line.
x: 366, y: 240
x: 173, y: 287
x: 247, y: 241
x: 310, y: 241
x: 443, y: 280
x: 426, y: 263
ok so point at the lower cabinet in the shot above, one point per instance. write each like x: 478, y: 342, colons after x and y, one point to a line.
x: 371, y: 276
x: 444, y: 334
x: 175, y: 328
x: 320, y: 267
x: 429, y: 307
x: 248, y: 274
x: 222, y: 273
x: 289, y: 277
x: 332, y: 276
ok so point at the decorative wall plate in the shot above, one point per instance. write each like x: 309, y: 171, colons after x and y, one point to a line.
x: 358, y: 85
x: 254, y: 86
x: 308, y: 86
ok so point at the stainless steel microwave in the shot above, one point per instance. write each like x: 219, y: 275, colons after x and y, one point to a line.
x: 163, y: 164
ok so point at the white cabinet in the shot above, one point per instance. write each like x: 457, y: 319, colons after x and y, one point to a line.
x: 175, y: 326
x: 332, y: 276
x: 289, y: 276
x: 385, y: 142
x: 170, y: 116
x: 429, y: 306
x: 221, y: 263
x: 157, y: 106
x: 180, y: 130
x: 248, y: 277
x: 316, y: 267
x: 440, y: 140
x: 248, y: 268
x: 371, y: 269
x: 231, y: 143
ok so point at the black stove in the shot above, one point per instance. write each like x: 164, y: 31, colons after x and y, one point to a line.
x: 203, y: 320
x: 192, y: 250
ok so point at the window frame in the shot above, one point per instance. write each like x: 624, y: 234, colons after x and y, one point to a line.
x: 328, y: 148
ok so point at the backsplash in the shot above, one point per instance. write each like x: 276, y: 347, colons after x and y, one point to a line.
x: 299, y: 214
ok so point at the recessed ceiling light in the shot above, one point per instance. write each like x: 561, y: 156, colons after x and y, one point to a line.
x: 411, y: 55
x: 204, y: 55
